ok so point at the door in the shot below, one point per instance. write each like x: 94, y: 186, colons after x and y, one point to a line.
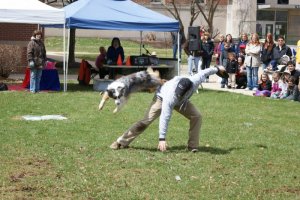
x: 264, y: 27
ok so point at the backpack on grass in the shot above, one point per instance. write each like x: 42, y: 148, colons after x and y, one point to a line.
x: 3, y: 87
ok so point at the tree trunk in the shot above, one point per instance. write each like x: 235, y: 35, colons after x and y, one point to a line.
x: 72, y: 45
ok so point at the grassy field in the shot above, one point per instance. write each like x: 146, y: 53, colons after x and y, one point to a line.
x: 88, y: 48
x: 249, y: 149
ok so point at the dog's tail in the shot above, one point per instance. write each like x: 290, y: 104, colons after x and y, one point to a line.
x: 105, y: 97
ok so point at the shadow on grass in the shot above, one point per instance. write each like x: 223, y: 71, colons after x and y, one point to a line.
x: 182, y: 148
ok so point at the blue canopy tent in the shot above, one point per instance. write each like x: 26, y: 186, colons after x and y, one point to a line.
x: 116, y: 15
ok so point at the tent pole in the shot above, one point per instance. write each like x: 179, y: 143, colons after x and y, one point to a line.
x: 178, y: 53
x: 68, y: 47
x: 64, y: 59
x: 141, y: 36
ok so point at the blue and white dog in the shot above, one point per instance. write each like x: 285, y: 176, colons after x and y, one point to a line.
x: 120, y: 89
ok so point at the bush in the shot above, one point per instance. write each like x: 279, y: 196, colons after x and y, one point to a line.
x: 10, y: 57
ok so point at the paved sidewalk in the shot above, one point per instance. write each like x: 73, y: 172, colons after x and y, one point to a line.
x: 214, y: 83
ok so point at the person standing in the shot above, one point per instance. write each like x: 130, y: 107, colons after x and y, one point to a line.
x: 208, y: 51
x: 232, y: 68
x: 174, y: 94
x: 174, y: 36
x: 267, y: 50
x: 298, y: 56
x: 194, y: 59
x: 252, y: 62
x: 217, y: 49
x: 242, y: 43
x: 36, y: 57
x: 226, y: 47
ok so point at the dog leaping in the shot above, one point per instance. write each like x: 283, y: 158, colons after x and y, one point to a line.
x: 120, y: 89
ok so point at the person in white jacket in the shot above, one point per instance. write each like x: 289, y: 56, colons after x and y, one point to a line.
x: 252, y: 62
x: 174, y: 94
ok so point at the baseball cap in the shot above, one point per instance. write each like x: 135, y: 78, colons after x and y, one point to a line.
x: 183, y: 86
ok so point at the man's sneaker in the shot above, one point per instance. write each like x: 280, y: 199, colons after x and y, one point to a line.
x: 247, y: 89
x: 194, y: 150
x: 115, y: 146
x: 254, y: 89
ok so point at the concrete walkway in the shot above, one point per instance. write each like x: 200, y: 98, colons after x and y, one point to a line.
x: 214, y: 83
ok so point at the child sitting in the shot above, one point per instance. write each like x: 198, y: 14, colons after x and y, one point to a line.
x: 284, y: 84
x: 241, y: 74
x: 275, y: 92
x: 292, y: 91
x: 264, y: 86
x: 100, y: 61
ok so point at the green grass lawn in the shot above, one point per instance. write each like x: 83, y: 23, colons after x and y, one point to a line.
x: 249, y: 149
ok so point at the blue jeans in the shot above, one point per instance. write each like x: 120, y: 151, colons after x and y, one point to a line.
x: 274, y: 65
x: 264, y: 66
x: 206, y: 64
x: 224, y: 80
x: 196, y: 64
x: 252, y: 77
x: 175, y: 47
x: 35, y: 79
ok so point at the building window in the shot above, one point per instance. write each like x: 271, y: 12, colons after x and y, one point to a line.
x: 264, y: 15
x: 261, y: 1
x: 283, y: 2
x: 282, y: 16
x: 155, y: 1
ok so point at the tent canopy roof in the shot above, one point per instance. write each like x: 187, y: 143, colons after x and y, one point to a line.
x: 29, y: 12
x: 116, y: 15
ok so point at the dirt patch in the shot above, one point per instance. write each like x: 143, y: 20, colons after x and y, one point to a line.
x: 26, y: 179
x: 283, y: 189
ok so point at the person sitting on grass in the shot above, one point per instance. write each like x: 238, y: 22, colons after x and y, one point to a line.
x: 264, y: 86
x: 294, y: 72
x: 275, y: 92
x: 292, y: 90
x: 284, y: 84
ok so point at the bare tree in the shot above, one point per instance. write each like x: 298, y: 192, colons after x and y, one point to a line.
x: 195, y: 9
x: 175, y: 13
x: 64, y: 2
x: 72, y: 30
x: 211, y: 7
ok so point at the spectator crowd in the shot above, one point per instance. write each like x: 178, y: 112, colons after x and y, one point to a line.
x: 243, y: 59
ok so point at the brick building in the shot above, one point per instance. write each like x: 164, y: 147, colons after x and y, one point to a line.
x: 232, y: 16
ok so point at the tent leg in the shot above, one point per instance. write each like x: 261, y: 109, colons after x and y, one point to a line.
x: 64, y: 58
x: 67, y: 65
x: 178, y: 53
x: 141, y: 36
